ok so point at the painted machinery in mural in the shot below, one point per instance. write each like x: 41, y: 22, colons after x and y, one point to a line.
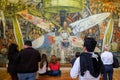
x: 48, y: 17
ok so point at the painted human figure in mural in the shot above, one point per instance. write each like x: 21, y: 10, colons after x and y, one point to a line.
x: 65, y: 33
x: 65, y: 38
x: 118, y: 41
x: 114, y: 46
x: 90, y: 33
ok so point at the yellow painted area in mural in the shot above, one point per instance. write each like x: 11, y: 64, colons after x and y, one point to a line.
x: 13, y: 1
x: 73, y: 3
x: 71, y: 6
x: 18, y: 33
x: 109, y: 33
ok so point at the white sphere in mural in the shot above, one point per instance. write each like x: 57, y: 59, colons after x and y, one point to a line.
x: 13, y: 1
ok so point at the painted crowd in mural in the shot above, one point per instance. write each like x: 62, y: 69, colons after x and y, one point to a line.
x: 64, y: 41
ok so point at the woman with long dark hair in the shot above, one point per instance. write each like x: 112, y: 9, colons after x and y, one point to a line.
x: 43, y: 65
x: 12, y: 54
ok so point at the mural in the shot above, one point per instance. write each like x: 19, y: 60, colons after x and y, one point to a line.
x: 58, y: 33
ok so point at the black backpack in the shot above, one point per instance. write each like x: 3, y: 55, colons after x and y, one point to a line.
x: 115, y: 62
x: 87, y: 62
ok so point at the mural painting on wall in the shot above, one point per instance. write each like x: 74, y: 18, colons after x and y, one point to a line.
x: 63, y: 41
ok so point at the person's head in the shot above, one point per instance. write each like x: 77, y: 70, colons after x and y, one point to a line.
x: 90, y: 44
x: 77, y: 54
x: 106, y: 47
x: 27, y: 43
x: 12, y: 48
x: 53, y: 59
x: 43, y: 59
x: 65, y: 24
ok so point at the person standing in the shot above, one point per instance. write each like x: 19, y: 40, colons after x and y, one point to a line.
x: 89, y: 65
x: 12, y: 55
x: 27, y: 62
x: 43, y: 68
x: 107, y: 58
x: 77, y: 54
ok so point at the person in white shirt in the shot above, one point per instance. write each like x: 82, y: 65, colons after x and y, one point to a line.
x: 89, y: 65
x: 107, y: 58
x: 43, y: 69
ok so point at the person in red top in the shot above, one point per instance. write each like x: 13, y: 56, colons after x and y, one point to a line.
x: 54, y: 66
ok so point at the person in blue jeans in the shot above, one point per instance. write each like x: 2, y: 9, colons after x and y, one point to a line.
x: 27, y: 62
x: 107, y: 59
x: 109, y: 72
x: 27, y: 76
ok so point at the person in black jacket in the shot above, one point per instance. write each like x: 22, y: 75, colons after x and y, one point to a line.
x: 12, y: 54
x: 27, y: 62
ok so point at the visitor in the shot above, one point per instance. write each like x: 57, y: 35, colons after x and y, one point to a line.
x: 89, y: 65
x: 43, y: 67
x: 54, y: 66
x: 27, y: 62
x: 12, y: 54
x: 107, y: 58
x: 65, y: 35
x: 77, y: 54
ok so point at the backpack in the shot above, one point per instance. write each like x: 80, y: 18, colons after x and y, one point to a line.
x: 115, y: 62
x: 94, y: 65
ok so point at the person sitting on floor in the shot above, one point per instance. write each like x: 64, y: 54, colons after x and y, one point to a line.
x: 54, y: 66
x: 43, y: 65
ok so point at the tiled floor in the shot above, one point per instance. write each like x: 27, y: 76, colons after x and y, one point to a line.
x: 65, y: 75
